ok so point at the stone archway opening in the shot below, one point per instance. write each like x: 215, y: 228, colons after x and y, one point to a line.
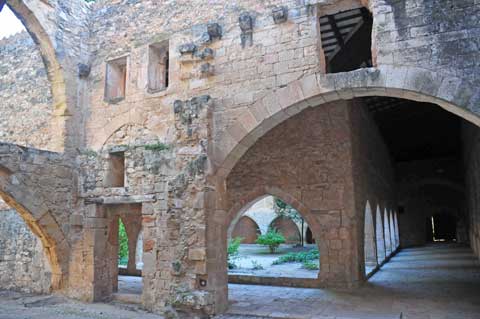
x: 122, y: 273
x: 41, y: 266
x: 266, y: 245
x: 393, y: 144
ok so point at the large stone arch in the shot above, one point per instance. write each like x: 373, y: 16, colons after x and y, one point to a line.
x: 236, y: 211
x: 31, y: 207
x: 35, y: 17
x: 455, y: 95
x: 247, y: 229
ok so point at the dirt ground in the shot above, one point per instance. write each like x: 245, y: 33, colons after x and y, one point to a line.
x: 14, y: 305
x: 250, y: 255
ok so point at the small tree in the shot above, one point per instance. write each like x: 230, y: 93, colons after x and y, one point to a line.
x: 272, y: 239
x: 232, y: 251
x: 122, y: 243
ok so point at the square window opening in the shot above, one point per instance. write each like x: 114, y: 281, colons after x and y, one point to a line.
x: 158, y: 66
x: 116, y: 170
x: 347, y: 40
x: 116, y: 80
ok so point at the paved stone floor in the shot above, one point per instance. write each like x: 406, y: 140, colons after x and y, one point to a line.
x: 433, y: 282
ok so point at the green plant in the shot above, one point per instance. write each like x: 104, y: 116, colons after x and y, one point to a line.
x: 122, y: 244
x: 256, y: 265
x: 157, y: 147
x: 232, y: 251
x: 310, y: 265
x: 272, y: 239
x: 302, y: 257
x: 89, y: 153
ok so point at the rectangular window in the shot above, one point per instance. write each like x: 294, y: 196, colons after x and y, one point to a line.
x: 347, y: 40
x: 116, y: 80
x: 158, y: 64
x: 116, y: 170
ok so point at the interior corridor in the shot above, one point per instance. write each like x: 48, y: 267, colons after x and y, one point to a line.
x: 437, y: 281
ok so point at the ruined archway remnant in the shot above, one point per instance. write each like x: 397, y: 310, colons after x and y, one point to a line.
x: 34, y: 17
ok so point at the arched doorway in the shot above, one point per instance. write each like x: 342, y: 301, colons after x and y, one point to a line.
x: 380, y: 236
x: 275, y: 257
x: 386, y: 230
x: 369, y: 241
x: 309, y: 236
x: 244, y: 134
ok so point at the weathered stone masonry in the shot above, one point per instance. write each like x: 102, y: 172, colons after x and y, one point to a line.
x: 240, y: 75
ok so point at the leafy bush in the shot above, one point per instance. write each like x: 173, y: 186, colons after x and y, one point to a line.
x: 122, y: 244
x: 232, y: 251
x: 272, y: 239
x: 301, y: 257
x: 310, y: 265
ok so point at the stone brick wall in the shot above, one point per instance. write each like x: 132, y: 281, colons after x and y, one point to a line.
x: 23, y: 264
x: 373, y: 172
x: 439, y: 35
x: 26, y: 106
x: 472, y: 169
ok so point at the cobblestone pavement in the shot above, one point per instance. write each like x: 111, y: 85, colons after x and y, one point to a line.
x: 433, y: 282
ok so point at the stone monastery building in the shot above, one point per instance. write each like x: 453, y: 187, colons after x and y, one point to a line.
x: 176, y: 116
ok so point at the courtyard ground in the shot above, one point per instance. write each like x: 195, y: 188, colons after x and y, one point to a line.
x: 440, y: 281
x: 250, y: 255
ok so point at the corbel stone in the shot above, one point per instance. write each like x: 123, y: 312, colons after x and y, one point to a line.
x: 187, y: 48
x: 246, y: 26
x: 83, y: 70
x: 206, y: 70
x: 214, y: 31
x: 280, y: 14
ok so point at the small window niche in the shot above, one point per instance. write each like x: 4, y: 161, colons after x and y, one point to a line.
x: 116, y: 80
x: 116, y: 170
x: 347, y: 40
x: 158, y: 67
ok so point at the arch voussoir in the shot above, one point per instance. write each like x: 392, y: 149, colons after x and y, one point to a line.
x: 454, y: 95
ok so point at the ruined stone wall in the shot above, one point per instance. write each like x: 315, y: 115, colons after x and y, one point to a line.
x: 25, y: 96
x: 23, y: 264
x: 373, y: 172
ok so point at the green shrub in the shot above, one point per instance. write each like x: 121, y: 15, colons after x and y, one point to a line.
x: 256, y: 265
x: 232, y: 251
x: 157, y: 147
x: 300, y: 257
x: 272, y: 239
x: 122, y: 244
x: 310, y: 265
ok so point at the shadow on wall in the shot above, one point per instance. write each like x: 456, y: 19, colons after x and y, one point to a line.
x: 23, y: 263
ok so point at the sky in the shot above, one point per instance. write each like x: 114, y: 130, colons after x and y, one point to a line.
x: 9, y: 24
